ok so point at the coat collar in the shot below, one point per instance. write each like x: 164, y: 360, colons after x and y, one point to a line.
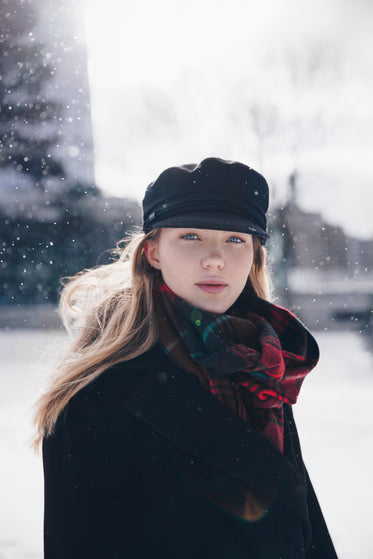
x: 172, y: 403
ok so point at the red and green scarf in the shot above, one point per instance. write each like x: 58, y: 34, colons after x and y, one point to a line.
x: 252, y: 359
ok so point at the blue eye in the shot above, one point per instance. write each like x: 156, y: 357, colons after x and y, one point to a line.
x: 189, y: 236
x: 237, y: 240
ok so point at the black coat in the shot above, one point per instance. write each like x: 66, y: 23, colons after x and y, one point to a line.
x: 145, y: 463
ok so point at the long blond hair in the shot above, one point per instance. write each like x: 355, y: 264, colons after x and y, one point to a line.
x: 109, y: 312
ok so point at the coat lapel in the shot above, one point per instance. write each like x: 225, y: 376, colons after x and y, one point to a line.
x: 172, y: 402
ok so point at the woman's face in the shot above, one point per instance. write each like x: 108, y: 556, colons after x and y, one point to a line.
x: 206, y: 268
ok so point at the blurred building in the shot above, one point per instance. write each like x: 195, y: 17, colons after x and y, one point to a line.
x: 60, y: 27
x: 46, y: 133
x: 325, y: 276
x: 54, y: 222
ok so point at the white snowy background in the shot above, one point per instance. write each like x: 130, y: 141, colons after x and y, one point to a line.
x: 333, y: 415
x: 279, y: 85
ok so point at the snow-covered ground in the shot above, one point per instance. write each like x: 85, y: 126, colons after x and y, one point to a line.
x: 25, y: 357
x: 333, y: 416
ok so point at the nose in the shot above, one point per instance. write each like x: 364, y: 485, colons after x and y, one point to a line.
x: 213, y: 259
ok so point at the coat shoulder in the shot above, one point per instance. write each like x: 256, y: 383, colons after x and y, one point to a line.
x: 116, y: 384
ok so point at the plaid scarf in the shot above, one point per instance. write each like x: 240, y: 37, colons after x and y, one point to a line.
x: 252, y: 360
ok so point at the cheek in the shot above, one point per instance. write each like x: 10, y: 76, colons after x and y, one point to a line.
x: 177, y: 259
x: 243, y: 263
x: 170, y: 272
x: 171, y: 264
x: 251, y: 261
x: 250, y: 264
x: 244, y: 269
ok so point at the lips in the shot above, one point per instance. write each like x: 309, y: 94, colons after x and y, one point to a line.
x: 212, y: 285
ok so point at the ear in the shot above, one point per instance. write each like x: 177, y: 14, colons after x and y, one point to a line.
x: 152, y: 254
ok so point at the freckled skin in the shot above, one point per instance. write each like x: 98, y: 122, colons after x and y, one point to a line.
x: 207, y: 268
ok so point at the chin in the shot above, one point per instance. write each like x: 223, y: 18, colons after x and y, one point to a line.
x: 213, y: 308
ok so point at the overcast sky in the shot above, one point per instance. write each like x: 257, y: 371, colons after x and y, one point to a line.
x: 281, y: 86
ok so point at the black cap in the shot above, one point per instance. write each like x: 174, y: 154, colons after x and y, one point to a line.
x: 216, y: 194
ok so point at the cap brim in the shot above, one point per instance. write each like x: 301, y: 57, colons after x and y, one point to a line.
x: 216, y: 221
